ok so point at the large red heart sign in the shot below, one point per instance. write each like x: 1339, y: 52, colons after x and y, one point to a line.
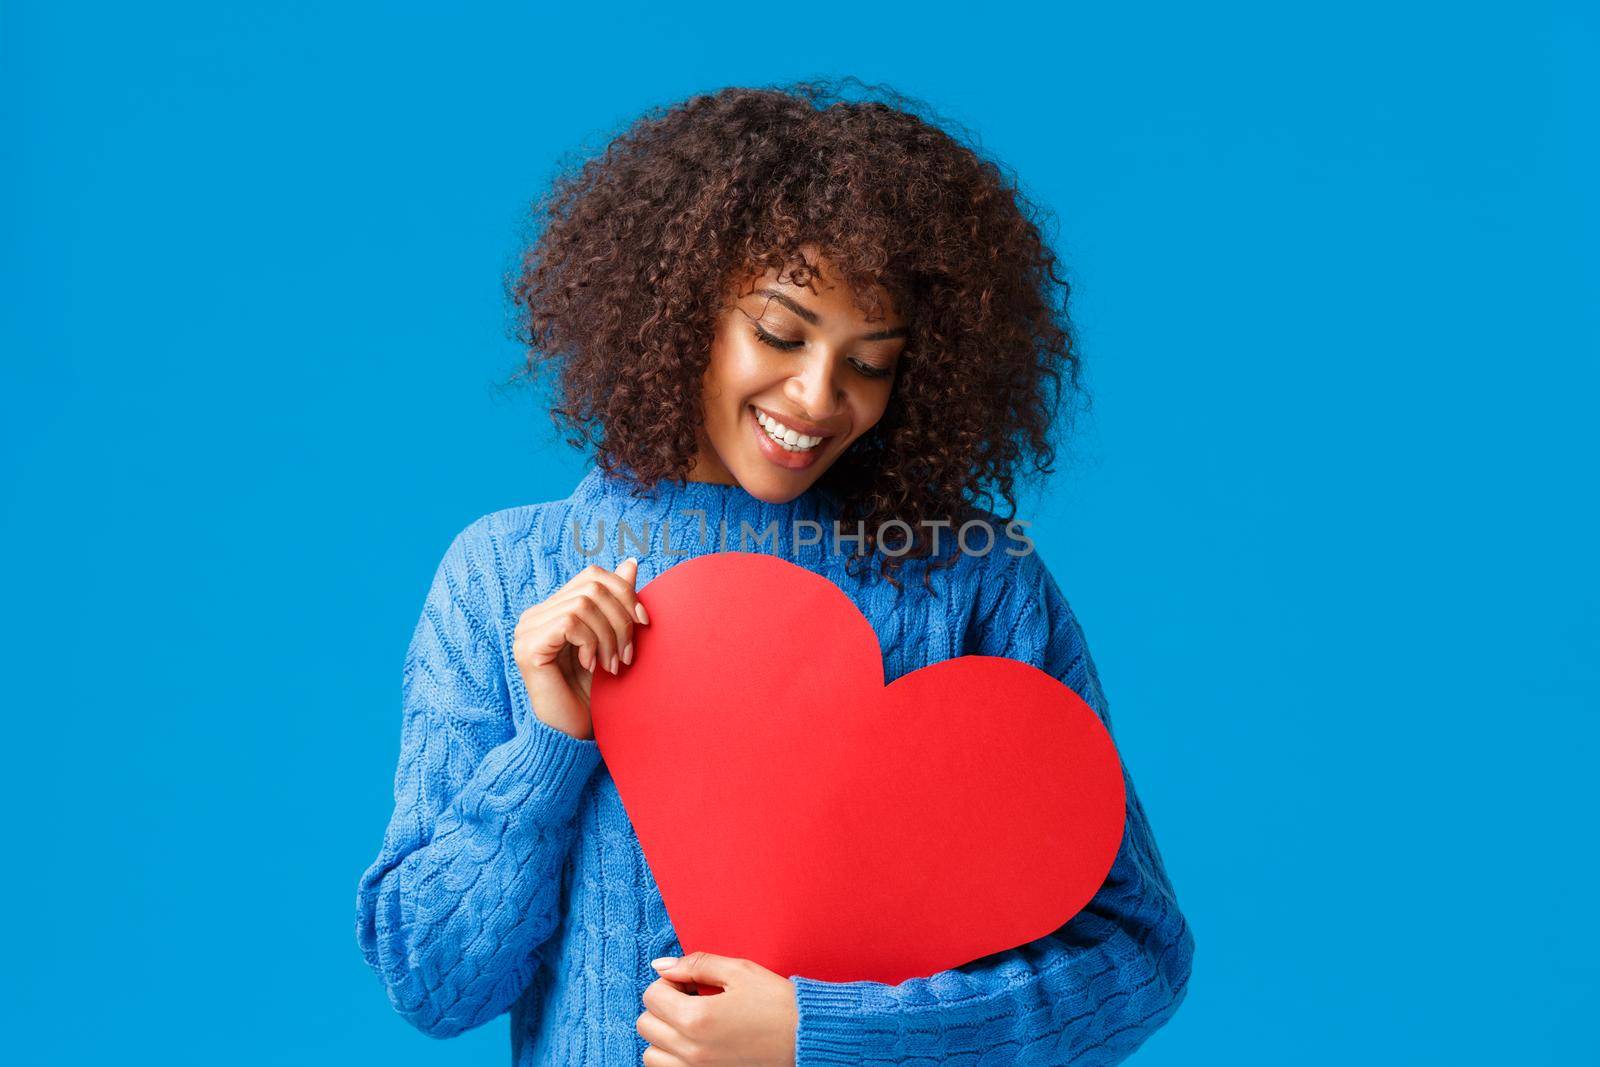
x: 797, y: 812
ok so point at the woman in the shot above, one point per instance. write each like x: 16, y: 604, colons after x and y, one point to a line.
x: 763, y: 308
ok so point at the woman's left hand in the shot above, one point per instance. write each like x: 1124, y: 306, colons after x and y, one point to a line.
x: 752, y: 1022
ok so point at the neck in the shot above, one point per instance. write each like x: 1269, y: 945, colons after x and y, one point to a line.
x: 710, y: 469
x: 723, y: 497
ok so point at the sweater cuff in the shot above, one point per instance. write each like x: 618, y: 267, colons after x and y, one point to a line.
x: 835, y: 1026
x: 556, y: 764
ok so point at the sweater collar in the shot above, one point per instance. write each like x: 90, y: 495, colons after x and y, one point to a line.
x: 619, y: 493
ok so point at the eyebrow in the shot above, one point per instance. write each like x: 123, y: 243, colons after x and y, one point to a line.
x: 812, y: 317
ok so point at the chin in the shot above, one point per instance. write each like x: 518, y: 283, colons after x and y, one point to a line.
x: 775, y: 491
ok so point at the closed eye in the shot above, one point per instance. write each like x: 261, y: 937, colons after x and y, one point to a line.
x: 783, y: 344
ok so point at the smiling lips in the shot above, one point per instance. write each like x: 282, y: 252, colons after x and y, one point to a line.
x: 784, y: 444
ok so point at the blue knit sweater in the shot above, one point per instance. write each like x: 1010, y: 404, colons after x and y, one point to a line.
x: 510, y: 877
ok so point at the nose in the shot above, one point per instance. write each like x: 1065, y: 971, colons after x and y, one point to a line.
x: 816, y: 390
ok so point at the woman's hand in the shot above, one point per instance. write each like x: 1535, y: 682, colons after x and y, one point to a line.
x: 559, y: 643
x: 752, y: 1022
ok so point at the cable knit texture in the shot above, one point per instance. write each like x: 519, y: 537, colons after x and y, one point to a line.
x: 510, y: 877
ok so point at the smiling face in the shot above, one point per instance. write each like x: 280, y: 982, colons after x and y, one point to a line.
x: 796, y: 362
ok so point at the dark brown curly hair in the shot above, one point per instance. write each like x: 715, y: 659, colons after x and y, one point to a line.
x: 636, y: 248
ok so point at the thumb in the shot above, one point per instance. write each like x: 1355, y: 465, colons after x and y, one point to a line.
x: 705, y: 967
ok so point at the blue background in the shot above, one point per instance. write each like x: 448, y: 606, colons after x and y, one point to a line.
x: 1330, y: 527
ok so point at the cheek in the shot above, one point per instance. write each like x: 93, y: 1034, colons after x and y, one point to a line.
x: 871, y: 404
x: 744, y: 369
x: 723, y: 370
x: 710, y: 393
x: 733, y: 374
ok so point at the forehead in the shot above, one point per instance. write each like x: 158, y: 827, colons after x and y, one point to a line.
x: 822, y: 290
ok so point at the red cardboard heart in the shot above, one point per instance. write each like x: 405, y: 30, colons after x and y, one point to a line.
x: 798, y: 813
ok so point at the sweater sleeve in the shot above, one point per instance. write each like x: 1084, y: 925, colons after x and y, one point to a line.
x: 465, y: 891
x: 1090, y: 992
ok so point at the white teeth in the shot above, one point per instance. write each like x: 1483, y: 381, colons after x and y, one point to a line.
x: 793, y: 440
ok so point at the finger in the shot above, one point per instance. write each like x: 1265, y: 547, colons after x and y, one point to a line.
x: 574, y: 630
x: 599, y: 628
x: 708, y: 968
x: 621, y: 625
x: 661, y: 1034
x: 675, y: 1008
x: 601, y: 596
x: 621, y: 582
x: 538, y: 641
x: 550, y: 628
x: 585, y: 655
x: 629, y: 571
x: 654, y: 1057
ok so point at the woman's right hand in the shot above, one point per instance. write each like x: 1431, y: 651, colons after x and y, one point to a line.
x: 559, y: 643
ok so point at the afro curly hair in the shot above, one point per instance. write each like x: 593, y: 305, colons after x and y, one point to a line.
x: 635, y: 250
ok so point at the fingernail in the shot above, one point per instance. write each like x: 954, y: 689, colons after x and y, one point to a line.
x: 627, y: 653
x: 631, y: 559
x: 612, y: 666
x: 664, y: 962
x: 642, y: 615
